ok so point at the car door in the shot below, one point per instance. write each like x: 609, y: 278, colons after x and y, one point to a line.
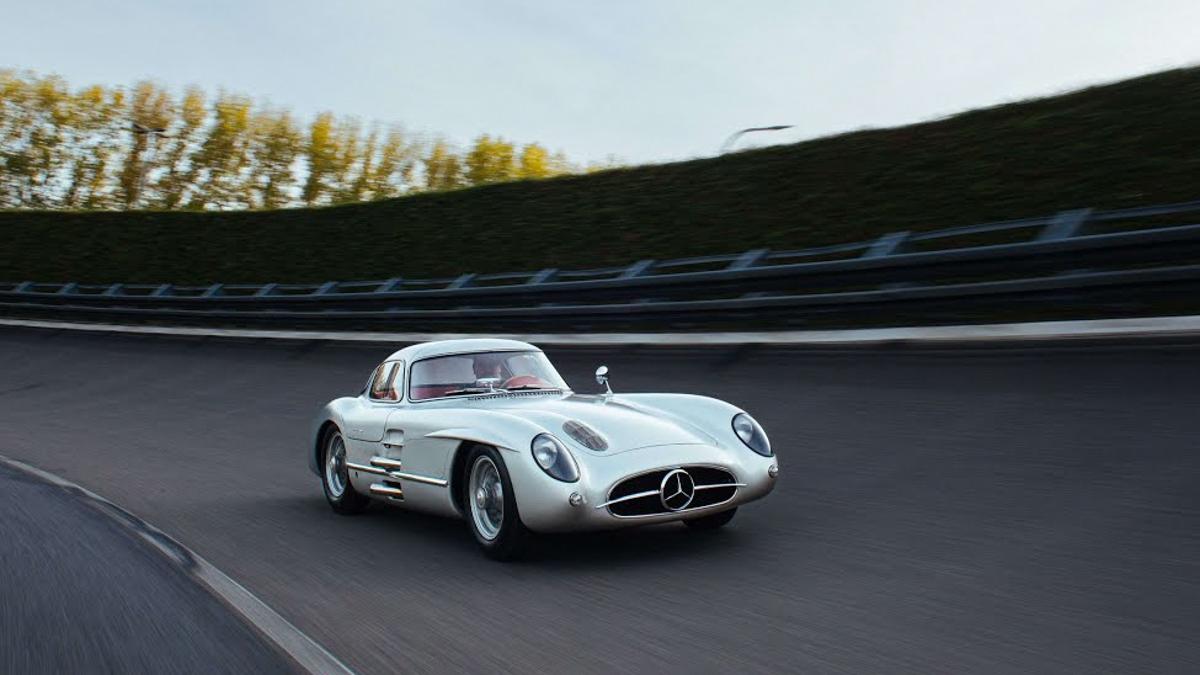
x: 424, y: 459
x: 403, y: 438
x: 367, y: 427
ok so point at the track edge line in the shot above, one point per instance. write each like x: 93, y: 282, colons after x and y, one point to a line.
x: 1127, y: 328
x: 294, y: 643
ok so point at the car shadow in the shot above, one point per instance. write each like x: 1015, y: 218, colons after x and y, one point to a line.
x: 647, y: 544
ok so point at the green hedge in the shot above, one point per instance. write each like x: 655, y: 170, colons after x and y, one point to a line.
x: 1135, y: 142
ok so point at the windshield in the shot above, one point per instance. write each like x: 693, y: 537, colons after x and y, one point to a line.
x: 463, y: 374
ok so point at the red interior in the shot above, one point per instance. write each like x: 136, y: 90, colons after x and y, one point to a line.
x: 523, y: 381
x: 433, y: 391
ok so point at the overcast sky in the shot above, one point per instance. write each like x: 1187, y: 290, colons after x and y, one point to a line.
x: 644, y: 80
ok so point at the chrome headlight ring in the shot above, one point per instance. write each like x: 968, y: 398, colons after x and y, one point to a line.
x: 752, y: 434
x: 554, y: 458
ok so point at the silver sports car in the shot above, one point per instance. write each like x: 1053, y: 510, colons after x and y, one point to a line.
x: 487, y: 430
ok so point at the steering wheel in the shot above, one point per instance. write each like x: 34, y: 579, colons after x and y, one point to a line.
x: 523, y: 381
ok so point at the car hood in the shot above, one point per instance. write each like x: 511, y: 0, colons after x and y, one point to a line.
x: 625, y: 426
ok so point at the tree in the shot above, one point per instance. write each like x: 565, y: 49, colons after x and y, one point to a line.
x: 394, y: 167
x: 490, y: 161
x: 81, y: 149
x: 96, y: 137
x: 178, y: 175
x: 322, y: 152
x: 274, y: 147
x: 534, y: 162
x: 348, y: 159
x: 219, y: 165
x: 442, y: 168
x: 149, y: 108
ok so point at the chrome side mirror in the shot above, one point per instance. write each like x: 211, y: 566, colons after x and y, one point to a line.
x: 602, y: 378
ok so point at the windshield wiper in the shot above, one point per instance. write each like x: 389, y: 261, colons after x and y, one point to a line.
x: 471, y: 390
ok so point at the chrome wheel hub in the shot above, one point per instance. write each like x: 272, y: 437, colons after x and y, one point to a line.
x: 335, y: 467
x: 487, y: 506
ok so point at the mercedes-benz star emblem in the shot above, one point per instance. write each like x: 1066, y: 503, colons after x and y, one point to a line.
x: 677, y: 490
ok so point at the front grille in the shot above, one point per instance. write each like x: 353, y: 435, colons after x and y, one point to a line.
x: 713, y: 486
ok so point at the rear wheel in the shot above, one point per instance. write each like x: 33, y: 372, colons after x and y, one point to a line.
x: 491, y: 506
x: 714, y: 522
x: 335, y: 477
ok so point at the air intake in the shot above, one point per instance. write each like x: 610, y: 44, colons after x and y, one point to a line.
x: 585, y: 436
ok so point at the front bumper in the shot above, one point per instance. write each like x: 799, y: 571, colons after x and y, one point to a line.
x: 545, y: 504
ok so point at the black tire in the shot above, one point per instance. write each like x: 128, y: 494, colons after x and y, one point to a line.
x: 709, y: 523
x: 512, y: 536
x: 348, y: 502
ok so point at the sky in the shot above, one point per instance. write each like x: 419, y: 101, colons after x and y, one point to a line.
x: 640, y: 80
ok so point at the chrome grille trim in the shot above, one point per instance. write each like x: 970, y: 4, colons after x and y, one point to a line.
x: 720, y: 485
x: 734, y: 485
x: 626, y: 498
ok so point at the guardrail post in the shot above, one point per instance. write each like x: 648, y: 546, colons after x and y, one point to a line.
x: 389, y: 285
x: 326, y: 288
x: 542, y: 276
x: 23, y: 287
x: 68, y: 288
x: 462, y: 281
x: 213, y: 291
x: 637, y: 269
x: 165, y: 289
x: 115, y: 289
x: 267, y: 289
x: 748, y: 259
x: 1065, y: 224
x: 886, y: 245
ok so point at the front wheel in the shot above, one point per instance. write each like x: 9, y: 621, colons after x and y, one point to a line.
x: 335, y: 477
x: 714, y: 522
x: 491, y: 505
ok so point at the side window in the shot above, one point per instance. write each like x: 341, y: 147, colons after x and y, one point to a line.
x: 380, y: 383
x: 396, y: 387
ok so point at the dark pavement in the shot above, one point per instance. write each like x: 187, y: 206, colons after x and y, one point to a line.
x: 81, y: 594
x: 1023, y: 511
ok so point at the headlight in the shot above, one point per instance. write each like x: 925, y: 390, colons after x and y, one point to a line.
x: 554, y: 458
x: 751, y: 434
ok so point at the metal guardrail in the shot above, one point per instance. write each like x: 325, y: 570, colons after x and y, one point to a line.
x: 1100, y: 262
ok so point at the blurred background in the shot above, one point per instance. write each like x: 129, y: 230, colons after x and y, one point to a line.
x: 948, y: 255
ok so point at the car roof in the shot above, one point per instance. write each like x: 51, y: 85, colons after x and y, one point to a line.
x: 425, y: 350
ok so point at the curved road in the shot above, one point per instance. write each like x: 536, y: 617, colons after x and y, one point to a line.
x: 939, y: 511
x: 80, y: 593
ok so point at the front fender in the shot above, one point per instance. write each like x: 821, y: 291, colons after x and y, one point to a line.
x: 330, y: 412
x: 539, y: 497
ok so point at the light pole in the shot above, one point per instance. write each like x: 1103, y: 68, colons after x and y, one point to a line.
x: 154, y: 133
x: 749, y: 130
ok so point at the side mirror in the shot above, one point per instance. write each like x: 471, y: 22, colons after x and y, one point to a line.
x: 602, y: 378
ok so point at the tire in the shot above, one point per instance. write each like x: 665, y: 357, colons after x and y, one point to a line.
x: 335, y: 477
x: 709, y: 523
x: 491, y: 506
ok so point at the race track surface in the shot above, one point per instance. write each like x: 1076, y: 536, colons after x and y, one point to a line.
x: 1018, y: 511
x: 81, y: 594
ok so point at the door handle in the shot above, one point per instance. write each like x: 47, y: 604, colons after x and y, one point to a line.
x: 393, y: 438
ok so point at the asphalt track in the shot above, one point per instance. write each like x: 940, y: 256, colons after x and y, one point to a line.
x: 1029, y: 510
x: 79, y: 594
